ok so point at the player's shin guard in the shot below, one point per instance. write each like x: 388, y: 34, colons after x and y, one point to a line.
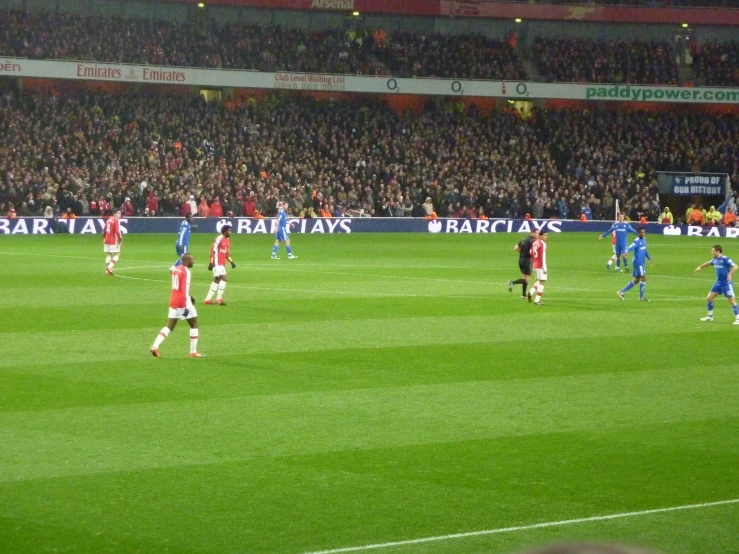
x: 618, y: 262
x: 539, y: 292
x: 626, y: 263
x: 710, y: 309
x: 642, y: 289
x: 112, y: 262
x: 613, y: 259
x: 736, y: 310
x: 212, y: 291
x: 289, y: 250
x: 163, y: 334
x: 193, y: 341
x: 628, y: 287
x: 274, y: 249
x: 107, y: 259
x: 221, y: 290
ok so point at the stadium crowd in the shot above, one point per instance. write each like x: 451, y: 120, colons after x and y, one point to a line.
x: 716, y: 64
x: 647, y: 3
x: 60, y: 35
x: 605, y: 61
x: 168, y: 155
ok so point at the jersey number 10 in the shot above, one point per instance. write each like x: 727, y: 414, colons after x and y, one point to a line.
x: 175, y: 282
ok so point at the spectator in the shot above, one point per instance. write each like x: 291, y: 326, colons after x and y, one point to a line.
x: 127, y: 208
x: 713, y: 217
x: 152, y: 203
x: 730, y: 218
x: 696, y: 217
x: 216, y: 210
x: 203, y: 208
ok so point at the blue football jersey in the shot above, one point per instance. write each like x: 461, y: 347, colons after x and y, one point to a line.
x: 723, y: 265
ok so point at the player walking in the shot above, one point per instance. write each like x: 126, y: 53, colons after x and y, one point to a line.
x: 639, y: 271
x: 283, y: 233
x: 539, y: 260
x: 613, y: 258
x: 181, y: 306
x: 112, y: 240
x: 622, y: 230
x: 183, y: 240
x: 524, y: 262
x: 219, y: 255
x: 725, y: 269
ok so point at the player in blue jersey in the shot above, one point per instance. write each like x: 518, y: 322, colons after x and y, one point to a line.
x: 622, y: 230
x: 725, y: 269
x: 639, y: 271
x: 283, y: 233
x: 183, y: 239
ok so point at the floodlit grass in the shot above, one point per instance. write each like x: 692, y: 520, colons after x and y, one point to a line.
x: 379, y: 388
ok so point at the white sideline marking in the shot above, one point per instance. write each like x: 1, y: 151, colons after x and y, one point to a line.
x: 523, y: 527
x: 159, y: 266
x: 665, y: 297
x: 659, y: 297
x: 319, y: 291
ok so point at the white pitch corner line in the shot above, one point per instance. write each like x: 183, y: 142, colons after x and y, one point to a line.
x: 523, y: 527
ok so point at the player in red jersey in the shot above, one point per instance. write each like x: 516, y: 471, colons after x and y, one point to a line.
x: 539, y: 259
x: 181, y: 307
x: 112, y: 240
x: 219, y: 255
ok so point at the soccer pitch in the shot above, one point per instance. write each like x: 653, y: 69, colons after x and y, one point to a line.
x: 380, y: 388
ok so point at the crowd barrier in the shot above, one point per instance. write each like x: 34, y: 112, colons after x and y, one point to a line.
x: 245, y: 225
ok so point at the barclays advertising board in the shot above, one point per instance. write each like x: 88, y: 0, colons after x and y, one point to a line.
x: 245, y: 226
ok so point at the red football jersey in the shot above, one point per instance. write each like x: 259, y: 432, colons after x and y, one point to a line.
x: 613, y: 238
x: 219, y: 252
x: 539, y: 254
x: 180, y: 287
x: 112, y: 231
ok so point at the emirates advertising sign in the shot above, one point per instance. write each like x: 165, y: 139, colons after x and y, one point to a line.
x: 522, y: 90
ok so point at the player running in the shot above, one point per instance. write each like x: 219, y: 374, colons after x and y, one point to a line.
x: 283, y: 233
x: 183, y: 240
x: 622, y: 230
x: 539, y: 260
x: 181, y: 306
x: 524, y: 262
x: 219, y: 255
x: 639, y: 272
x: 725, y: 269
x: 112, y: 240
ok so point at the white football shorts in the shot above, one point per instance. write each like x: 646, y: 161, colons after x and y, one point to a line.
x: 541, y: 274
x: 112, y: 248
x: 178, y: 313
x: 219, y: 271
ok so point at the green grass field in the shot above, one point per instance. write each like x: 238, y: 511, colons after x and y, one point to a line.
x: 380, y: 388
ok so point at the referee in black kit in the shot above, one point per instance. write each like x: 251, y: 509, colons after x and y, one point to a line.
x: 524, y: 262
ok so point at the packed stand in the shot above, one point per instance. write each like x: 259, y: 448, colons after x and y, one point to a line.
x: 471, y: 56
x: 253, y: 47
x: 605, y: 61
x: 169, y: 156
x: 716, y: 64
x: 646, y: 3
